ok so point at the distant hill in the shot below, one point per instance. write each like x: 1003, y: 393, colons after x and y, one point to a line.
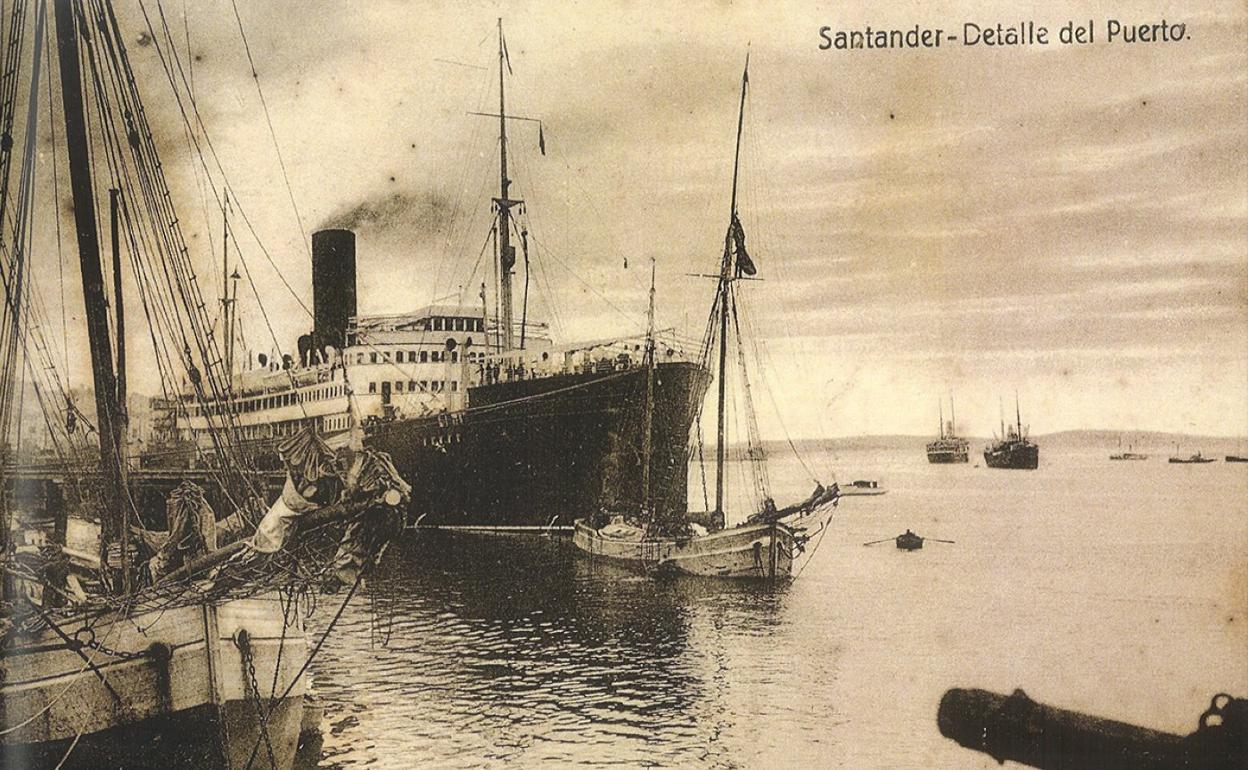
x: 1143, y: 441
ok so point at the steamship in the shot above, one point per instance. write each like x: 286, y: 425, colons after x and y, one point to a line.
x: 949, y: 448
x: 1014, y: 450
x: 492, y: 424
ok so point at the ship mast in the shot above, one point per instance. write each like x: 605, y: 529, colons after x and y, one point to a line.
x: 940, y: 409
x: 648, y: 412
x: 16, y: 278
x: 102, y: 371
x: 506, y: 252
x: 227, y: 301
x: 725, y: 294
x: 123, y: 414
x: 1018, y: 417
x: 953, y: 420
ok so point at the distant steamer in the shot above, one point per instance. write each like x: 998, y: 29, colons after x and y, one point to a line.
x: 949, y: 448
x: 1196, y: 459
x: 1013, y: 450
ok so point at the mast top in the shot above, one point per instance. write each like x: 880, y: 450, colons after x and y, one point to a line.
x: 736, y: 163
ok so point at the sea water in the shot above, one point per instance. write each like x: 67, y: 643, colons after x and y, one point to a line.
x: 1119, y: 589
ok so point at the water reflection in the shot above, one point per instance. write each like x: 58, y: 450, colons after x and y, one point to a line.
x: 492, y: 650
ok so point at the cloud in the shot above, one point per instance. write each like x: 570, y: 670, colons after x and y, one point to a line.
x: 962, y: 203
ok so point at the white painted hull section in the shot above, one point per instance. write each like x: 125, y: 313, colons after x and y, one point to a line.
x: 747, y: 551
x: 193, y: 661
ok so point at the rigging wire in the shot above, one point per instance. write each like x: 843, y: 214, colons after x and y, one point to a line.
x: 110, y: 66
x: 469, y: 151
x: 281, y: 162
x: 56, y: 196
x: 167, y: 63
x: 754, y: 446
x: 549, y: 253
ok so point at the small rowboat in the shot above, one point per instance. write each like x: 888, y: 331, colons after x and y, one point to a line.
x: 908, y: 541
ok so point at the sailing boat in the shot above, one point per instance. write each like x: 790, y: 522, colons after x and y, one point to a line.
x: 949, y: 448
x: 195, y: 656
x: 1127, y: 455
x: 769, y: 543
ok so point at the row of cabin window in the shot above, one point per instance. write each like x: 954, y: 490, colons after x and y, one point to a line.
x: 287, y: 428
x: 424, y: 386
x: 440, y: 324
x: 412, y: 357
x: 290, y: 427
x: 284, y: 399
x: 290, y: 399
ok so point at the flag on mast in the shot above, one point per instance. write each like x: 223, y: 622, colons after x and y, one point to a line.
x: 745, y: 265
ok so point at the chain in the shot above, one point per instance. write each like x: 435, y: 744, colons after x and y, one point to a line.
x: 253, y: 694
x: 91, y: 643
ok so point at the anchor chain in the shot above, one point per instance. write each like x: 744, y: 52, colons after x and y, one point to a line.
x: 242, y: 640
x: 91, y: 643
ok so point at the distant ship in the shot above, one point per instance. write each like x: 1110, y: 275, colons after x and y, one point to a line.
x: 1236, y: 459
x: 1196, y: 459
x: 949, y: 448
x: 1127, y: 455
x: 1014, y: 450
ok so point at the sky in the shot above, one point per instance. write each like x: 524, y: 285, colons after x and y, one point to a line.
x: 1068, y: 223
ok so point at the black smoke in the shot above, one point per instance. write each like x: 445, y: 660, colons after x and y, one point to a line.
x: 413, y: 215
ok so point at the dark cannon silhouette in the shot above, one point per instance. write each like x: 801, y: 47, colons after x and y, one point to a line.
x: 1017, y: 728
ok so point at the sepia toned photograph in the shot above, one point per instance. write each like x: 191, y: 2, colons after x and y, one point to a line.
x: 619, y: 383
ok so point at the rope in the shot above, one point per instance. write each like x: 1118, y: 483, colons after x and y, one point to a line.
x: 281, y: 162
x: 359, y: 577
x: 70, y: 750
x: 56, y: 698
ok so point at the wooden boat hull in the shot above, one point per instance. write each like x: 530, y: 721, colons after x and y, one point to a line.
x: 749, y: 551
x: 188, y: 700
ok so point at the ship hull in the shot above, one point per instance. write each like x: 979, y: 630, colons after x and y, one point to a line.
x: 1013, y: 457
x: 757, y: 551
x: 542, y: 452
x: 188, y: 699
x: 945, y: 455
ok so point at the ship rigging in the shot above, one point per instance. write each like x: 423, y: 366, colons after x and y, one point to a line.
x: 104, y: 654
x: 769, y: 543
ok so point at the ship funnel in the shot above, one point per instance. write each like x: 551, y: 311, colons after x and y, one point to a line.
x: 333, y: 286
